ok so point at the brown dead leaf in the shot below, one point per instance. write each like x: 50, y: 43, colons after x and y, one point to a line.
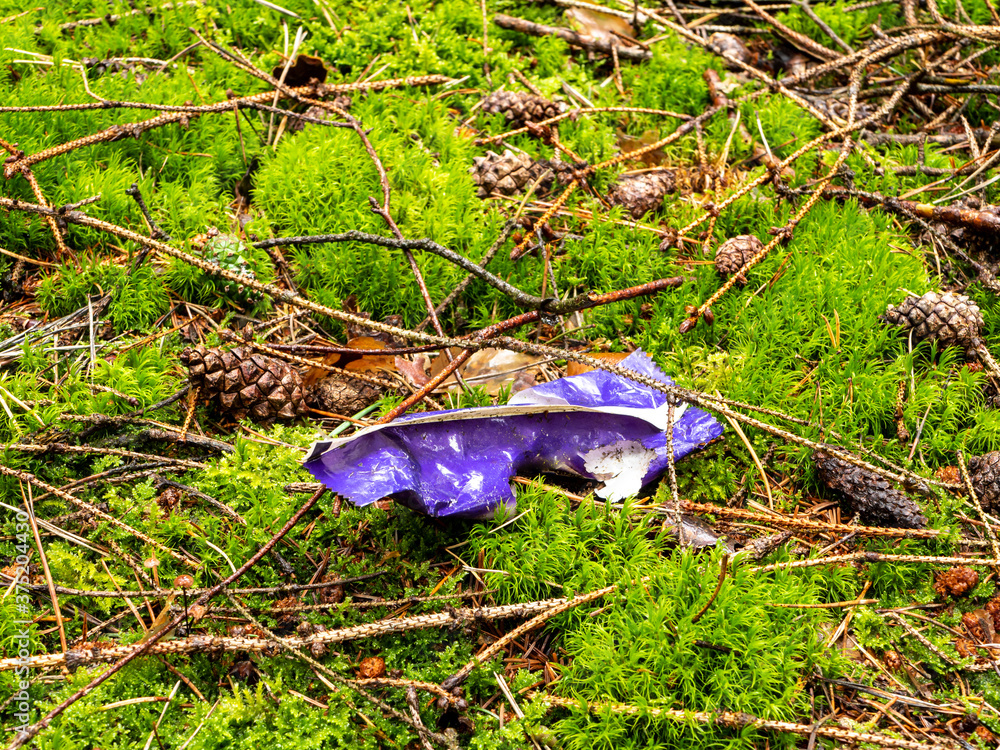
x: 599, y: 25
x: 415, y: 370
x: 304, y: 69
x: 575, y: 368
x: 492, y: 369
x: 366, y: 362
x: 351, y: 362
x: 629, y: 143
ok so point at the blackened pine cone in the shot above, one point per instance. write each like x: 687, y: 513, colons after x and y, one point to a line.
x: 984, y: 471
x: 979, y: 240
x: 245, y: 384
x: 984, y: 241
x: 952, y: 319
x: 735, y: 253
x: 520, y: 108
x: 644, y: 192
x: 870, y: 496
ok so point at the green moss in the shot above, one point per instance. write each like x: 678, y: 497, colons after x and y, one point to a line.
x: 803, y: 336
x: 138, y: 298
x: 853, y: 27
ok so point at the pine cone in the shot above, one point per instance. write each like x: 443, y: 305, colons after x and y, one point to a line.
x: 643, y: 192
x: 951, y: 319
x: 338, y: 394
x: 519, y: 108
x: 507, y: 174
x: 982, y: 243
x: 957, y: 581
x: 244, y: 384
x: 169, y: 499
x: 893, y: 660
x: 371, y: 668
x: 734, y: 253
x: 229, y: 252
x: 986, y: 242
x: 966, y: 648
x: 984, y: 471
x: 992, y: 608
x: 870, y: 496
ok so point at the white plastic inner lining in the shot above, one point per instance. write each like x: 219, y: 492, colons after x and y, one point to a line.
x: 621, y: 467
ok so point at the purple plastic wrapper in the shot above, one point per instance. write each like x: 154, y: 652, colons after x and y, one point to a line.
x: 459, y: 463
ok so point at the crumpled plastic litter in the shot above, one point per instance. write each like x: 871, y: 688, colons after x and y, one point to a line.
x: 459, y: 463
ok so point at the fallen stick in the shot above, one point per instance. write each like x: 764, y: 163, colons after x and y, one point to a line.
x: 206, y: 643
x: 738, y: 721
x: 588, y: 43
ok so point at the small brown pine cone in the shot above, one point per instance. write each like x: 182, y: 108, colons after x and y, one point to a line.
x: 966, y: 648
x: 893, y: 660
x: 338, y: 394
x: 992, y: 608
x: 519, y: 108
x: 644, y: 192
x: 951, y: 319
x: 976, y: 628
x: 371, y: 668
x: 991, y: 394
x: 957, y: 581
x: 331, y: 594
x: 169, y: 499
x: 507, y: 174
x: 984, y: 471
x: 735, y: 253
x: 949, y: 474
x: 244, y: 384
x: 870, y: 496
x: 287, y: 619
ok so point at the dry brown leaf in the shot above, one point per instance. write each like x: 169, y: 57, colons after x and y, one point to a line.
x: 415, y: 370
x: 575, y: 368
x: 492, y: 369
x: 304, y: 68
x: 599, y: 25
x: 629, y: 143
x: 351, y: 362
x: 366, y: 362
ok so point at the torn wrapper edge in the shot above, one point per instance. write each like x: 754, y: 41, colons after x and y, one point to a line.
x: 459, y: 463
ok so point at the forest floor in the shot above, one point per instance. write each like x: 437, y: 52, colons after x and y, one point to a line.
x: 174, y: 577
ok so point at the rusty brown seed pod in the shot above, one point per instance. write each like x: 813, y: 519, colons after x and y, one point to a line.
x: 688, y: 324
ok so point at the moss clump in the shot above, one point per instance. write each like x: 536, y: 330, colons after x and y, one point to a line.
x: 137, y: 298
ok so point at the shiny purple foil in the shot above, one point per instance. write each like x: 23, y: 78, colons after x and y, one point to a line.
x: 459, y: 463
